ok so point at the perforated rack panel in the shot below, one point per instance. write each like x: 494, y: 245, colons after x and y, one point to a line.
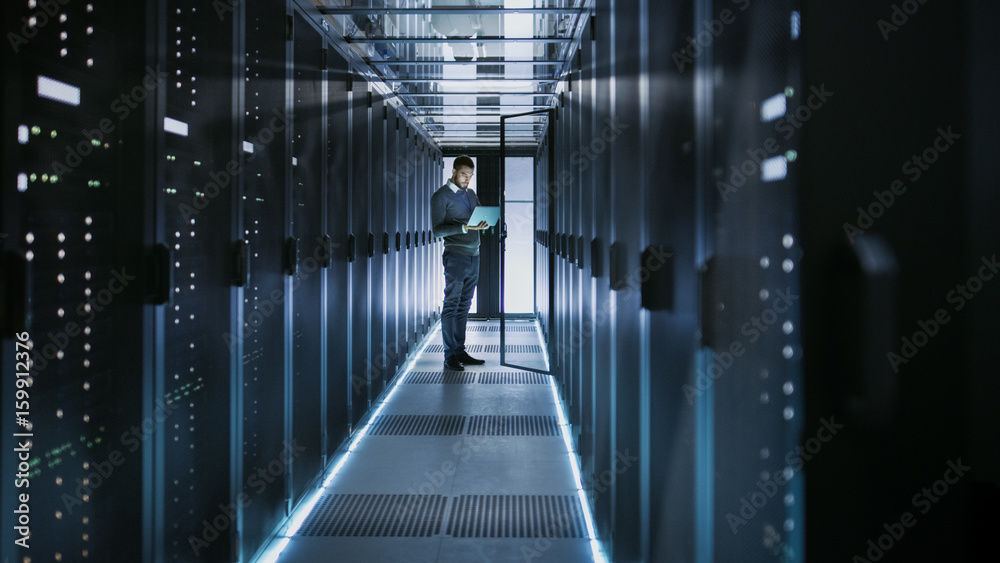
x: 197, y: 181
x: 754, y: 293
x: 360, y: 182
x: 307, y: 229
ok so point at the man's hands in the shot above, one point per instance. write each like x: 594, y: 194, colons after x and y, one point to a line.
x: 482, y: 226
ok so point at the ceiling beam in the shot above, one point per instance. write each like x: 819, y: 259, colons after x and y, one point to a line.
x: 478, y: 106
x: 436, y: 94
x: 329, y: 11
x: 477, y: 63
x: 398, y: 39
x: 462, y: 80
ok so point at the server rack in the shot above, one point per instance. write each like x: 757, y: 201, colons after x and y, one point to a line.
x: 200, y: 243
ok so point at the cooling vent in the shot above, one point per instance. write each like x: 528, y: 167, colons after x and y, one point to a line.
x: 516, y: 516
x: 417, y: 425
x: 513, y: 425
x: 513, y: 349
x: 450, y: 378
x: 512, y: 378
x: 496, y: 328
x: 375, y: 515
x: 471, y: 349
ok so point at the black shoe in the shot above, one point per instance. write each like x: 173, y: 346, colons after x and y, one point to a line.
x: 469, y: 360
x: 452, y: 363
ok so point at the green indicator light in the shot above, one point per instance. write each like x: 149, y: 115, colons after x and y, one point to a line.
x: 53, y: 133
x: 789, y: 91
x: 45, y: 177
x: 95, y: 142
x: 53, y: 178
x: 197, y: 163
x: 33, y: 177
x: 791, y: 156
x: 35, y: 130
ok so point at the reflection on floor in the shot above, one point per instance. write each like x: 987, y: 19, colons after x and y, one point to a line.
x: 456, y: 466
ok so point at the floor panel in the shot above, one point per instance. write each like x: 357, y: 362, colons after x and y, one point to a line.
x: 483, y: 446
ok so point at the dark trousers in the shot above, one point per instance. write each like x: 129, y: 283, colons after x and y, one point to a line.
x: 461, y: 274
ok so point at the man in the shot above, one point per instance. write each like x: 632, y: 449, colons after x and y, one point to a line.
x: 451, y: 208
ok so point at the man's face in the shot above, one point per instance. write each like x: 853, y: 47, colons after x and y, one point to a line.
x: 461, y: 176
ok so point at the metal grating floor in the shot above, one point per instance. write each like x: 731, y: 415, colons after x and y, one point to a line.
x: 513, y: 349
x: 417, y: 425
x: 496, y: 328
x: 469, y: 348
x: 440, y: 378
x: 493, y: 516
x: 485, y: 378
x: 517, y: 516
x: 490, y: 349
x: 375, y: 515
x: 456, y: 467
x: 505, y: 425
x: 513, y: 378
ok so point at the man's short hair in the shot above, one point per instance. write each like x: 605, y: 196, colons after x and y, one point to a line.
x: 464, y: 161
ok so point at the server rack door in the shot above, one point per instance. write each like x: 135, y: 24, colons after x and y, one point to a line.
x: 338, y: 211
x: 603, y: 195
x: 413, y: 212
x: 376, y: 275
x: 408, y: 214
x: 749, y: 371
x: 266, y: 163
x: 627, y: 228
x: 588, y: 285
x: 559, y: 197
x: 75, y: 229
x: 670, y: 293
x: 573, y: 352
x: 360, y: 146
x: 895, y: 285
x: 197, y: 187
x: 308, y: 315
x: 393, y: 283
x: 425, y: 248
x: 420, y: 214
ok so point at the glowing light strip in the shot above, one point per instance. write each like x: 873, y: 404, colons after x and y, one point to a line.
x: 774, y: 168
x: 773, y: 107
x: 595, y: 546
x: 53, y: 89
x: 175, y: 126
x: 299, y: 515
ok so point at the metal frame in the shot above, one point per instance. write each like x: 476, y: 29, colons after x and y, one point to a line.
x: 460, y: 10
x: 503, y: 235
x: 504, y: 40
x: 467, y: 63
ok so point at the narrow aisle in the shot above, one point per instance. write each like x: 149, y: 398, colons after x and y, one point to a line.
x: 456, y: 467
